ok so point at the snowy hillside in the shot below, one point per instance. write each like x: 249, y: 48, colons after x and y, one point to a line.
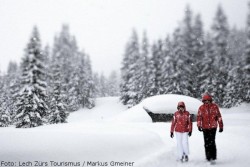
x: 109, y: 133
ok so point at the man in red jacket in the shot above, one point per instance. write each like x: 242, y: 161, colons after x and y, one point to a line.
x: 182, y: 125
x: 208, y: 118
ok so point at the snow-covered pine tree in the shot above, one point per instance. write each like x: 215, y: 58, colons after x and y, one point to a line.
x: 5, y: 117
x: 235, y: 93
x: 141, y: 74
x: 125, y: 76
x: 188, y: 69
x: 207, y: 72
x: 48, y: 63
x: 199, y: 53
x: 177, y: 63
x: 220, y: 32
x: 66, y: 48
x: 82, y: 83
x: 97, y: 85
x: 170, y: 66
x: 129, y: 72
x: 31, y: 106
x: 145, y: 69
x: 234, y: 88
x: 103, y: 86
x: 158, y: 64
x: 58, y: 113
x: 12, y: 83
x: 113, y: 84
x: 87, y: 97
x: 247, y: 60
x: 74, y: 88
x: 134, y: 82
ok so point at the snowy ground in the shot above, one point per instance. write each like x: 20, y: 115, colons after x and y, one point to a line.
x: 110, y: 133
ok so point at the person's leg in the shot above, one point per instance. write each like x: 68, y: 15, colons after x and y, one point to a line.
x: 179, y: 145
x: 206, y: 143
x: 185, y: 143
x: 213, y: 144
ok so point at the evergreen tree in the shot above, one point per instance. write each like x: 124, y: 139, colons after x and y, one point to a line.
x: 103, y: 86
x: 220, y: 31
x: 188, y: 68
x: 31, y: 106
x: 58, y: 112
x: 177, y: 76
x: 125, y: 76
x: 97, y: 84
x: 235, y: 93
x: 199, y: 53
x: 107, y: 86
x: 86, y: 87
x: 65, y: 47
x: 12, y: 87
x: 5, y: 117
x: 247, y: 60
x: 158, y: 69
x: 129, y: 85
x: 169, y: 68
x: 206, y: 77
x: 113, y: 84
x: 145, y: 69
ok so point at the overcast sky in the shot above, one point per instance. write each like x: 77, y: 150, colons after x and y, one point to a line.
x: 101, y: 27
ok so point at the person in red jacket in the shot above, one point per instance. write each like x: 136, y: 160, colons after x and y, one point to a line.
x: 208, y: 118
x: 182, y: 125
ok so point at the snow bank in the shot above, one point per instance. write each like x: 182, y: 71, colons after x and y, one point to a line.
x: 105, y: 109
x: 134, y: 114
x: 101, y: 142
x: 168, y: 103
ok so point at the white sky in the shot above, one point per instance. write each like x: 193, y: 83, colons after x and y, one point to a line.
x: 101, y: 27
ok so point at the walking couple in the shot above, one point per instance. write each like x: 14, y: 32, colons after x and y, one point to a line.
x: 208, y: 118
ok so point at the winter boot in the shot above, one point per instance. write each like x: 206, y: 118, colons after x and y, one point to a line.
x: 212, y: 162
x: 182, y: 158
x: 185, y: 158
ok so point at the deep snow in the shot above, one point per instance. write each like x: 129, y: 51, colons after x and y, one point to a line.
x: 110, y: 132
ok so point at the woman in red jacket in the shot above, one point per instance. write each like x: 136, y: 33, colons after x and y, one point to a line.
x: 182, y: 125
x: 208, y: 118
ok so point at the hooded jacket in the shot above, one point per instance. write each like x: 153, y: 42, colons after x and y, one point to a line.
x: 181, y: 121
x: 209, y: 115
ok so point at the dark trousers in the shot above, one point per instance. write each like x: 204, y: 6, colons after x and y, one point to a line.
x: 210, y: 145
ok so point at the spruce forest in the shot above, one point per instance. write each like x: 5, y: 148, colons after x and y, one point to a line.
x: 52, y: 82
x: 190, y: 62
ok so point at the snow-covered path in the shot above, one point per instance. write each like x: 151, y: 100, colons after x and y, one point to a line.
x: 232, y: 144
x: 96, y: 136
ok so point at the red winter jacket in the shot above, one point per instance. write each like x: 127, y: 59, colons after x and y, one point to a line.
x: 209, y: 116
x: 181, y: 122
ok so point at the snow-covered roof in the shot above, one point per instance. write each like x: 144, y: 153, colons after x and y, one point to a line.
x: 168, y: 103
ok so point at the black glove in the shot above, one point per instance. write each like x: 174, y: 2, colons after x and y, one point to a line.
x: 171, y: 134
x: 200, y: 128
x: 189, y: 134
x: 221, y: 130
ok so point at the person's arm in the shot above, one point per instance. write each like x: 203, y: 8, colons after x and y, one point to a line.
x: 199, y: 120
x: 173, y: 123
x: 220, y: 121
x: 190, y: 124
x: 173, y: 126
